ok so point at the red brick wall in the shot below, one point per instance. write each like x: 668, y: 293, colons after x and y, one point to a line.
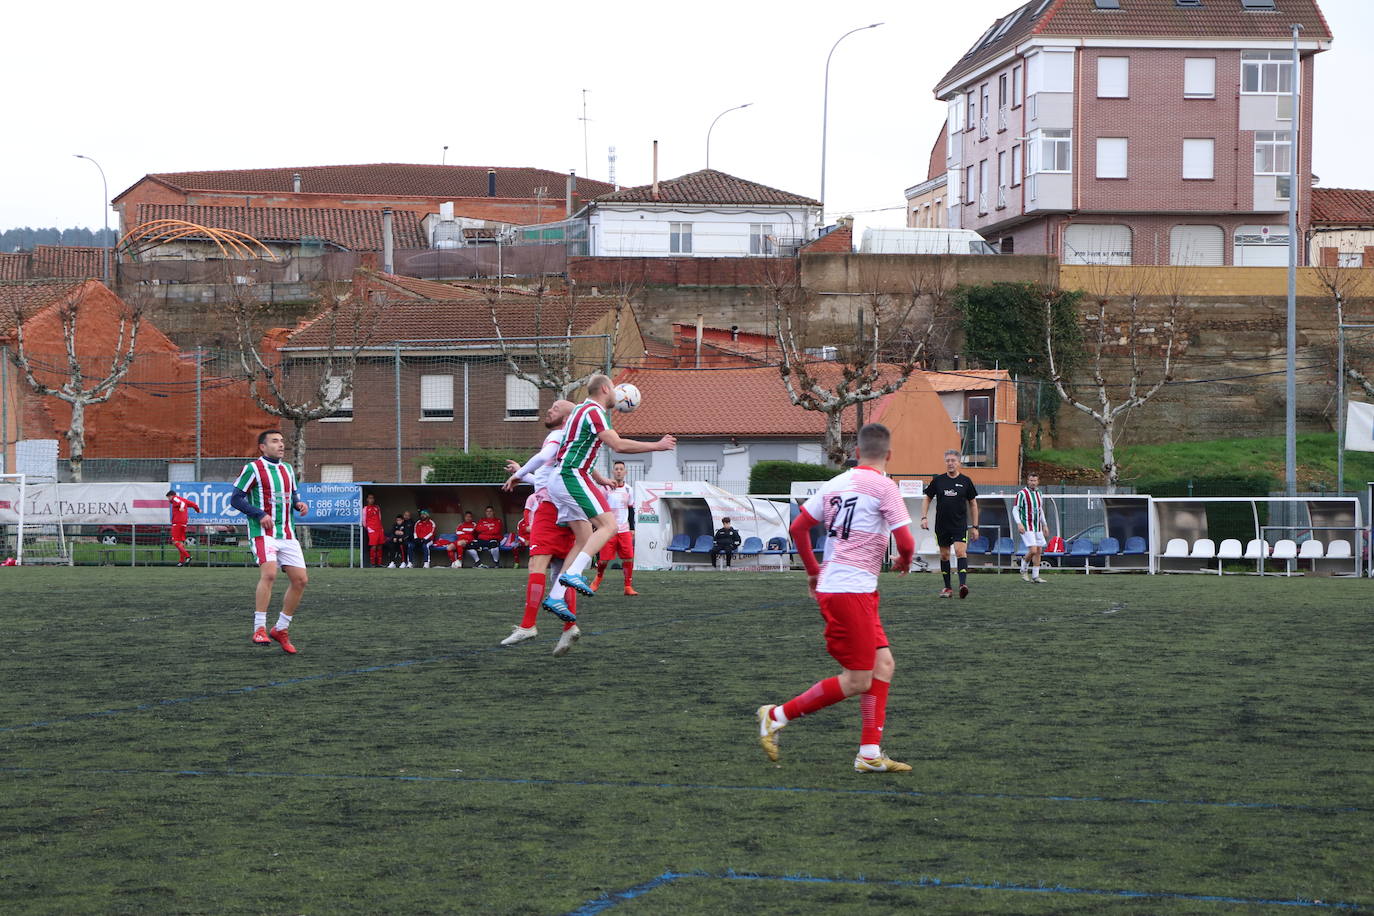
x: 840, y: 239
x: 606, y: 272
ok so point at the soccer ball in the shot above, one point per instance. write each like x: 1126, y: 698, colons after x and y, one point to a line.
x: 627, y: 397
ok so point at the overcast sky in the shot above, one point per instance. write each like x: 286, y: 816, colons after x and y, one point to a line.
x: 144, y: 87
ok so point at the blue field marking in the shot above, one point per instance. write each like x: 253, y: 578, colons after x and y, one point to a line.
x: 607, y: 901
x: 703, y: 787
x: 334, y: 675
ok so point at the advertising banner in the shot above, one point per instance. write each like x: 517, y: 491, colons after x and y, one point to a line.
x: 665, y: 510
x: 86, y: 504
x: 330, y: 503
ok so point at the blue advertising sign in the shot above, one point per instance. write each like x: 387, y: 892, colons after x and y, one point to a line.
x: 330, y: 503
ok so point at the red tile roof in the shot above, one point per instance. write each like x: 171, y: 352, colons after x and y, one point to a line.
x: 1342, y: 207
x: 388, y: 179
x: 351, y: 230
x: 723, y: 402
x: 708, y: 186
x: 1139, y: 19
x: 27, y: 297
x: 68, y: 261
x: 839, y: 239
x: 14, y: 265
x: 398, y: 287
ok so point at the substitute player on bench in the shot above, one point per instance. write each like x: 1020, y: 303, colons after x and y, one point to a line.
x: 858, y: 508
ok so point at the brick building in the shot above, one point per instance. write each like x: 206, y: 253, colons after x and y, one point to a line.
x: 1134, y: 131
x: 1342, y: 231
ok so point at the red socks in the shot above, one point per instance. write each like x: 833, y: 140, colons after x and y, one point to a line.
x: 534, y: 593
x: 629, y: 567
x: 874, y: 710
x: 571, y: 598
x: 182, y: 553
x: 820, y: 695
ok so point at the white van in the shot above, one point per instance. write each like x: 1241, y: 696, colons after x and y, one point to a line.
x: 923, y: 241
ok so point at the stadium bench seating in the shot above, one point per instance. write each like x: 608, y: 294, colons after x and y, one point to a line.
x: 1338, y: 550
x: 1204, y: 549
x: 1229, y: 549
x: 703, y: 544
x: 1135, y: 547
x: 978, y: 545
x: 679, y: 544
x: 1005, y: 547
x: 752, y: 547
x: 1256, y: 549
x: 776, y: 547
x: 1177, y: 547
x: 1311, y: 550
x: 1287, y: 551
x: 1080, y: 552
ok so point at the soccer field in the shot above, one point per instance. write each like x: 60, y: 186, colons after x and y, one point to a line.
x: 1119, y: 744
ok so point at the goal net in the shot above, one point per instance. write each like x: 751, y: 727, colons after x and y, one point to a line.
x: 30, y: 540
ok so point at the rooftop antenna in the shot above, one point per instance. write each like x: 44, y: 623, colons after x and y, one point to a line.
x: 443, y: 160
x: 610, y: 167
x: 586, y: 160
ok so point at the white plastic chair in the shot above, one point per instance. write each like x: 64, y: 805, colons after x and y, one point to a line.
x: 1257, y: 550
x: 1311, y: 550
x: 1229, y: 550
x: 1286, y: 550
x: 1177, y: 547
x: 1203, y: 549
x: 1338, y: 550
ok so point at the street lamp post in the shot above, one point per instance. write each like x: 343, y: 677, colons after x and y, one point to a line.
x: 713, y: 127
x: 105, y: 206
x: 825, y: 106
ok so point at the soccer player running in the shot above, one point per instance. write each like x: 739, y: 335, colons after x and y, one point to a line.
x: 955, y: 500
x: 1030, y: 521
x: 859, y: 508
x: 621, y: 496
x: 266, y: 493
x: 581, y: 502
x: 180, y: 505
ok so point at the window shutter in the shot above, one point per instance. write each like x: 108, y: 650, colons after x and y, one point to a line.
x: 1113, y: 77
x: 1199, y: 77
x: 1197, y: 246
x: 1197, y: 158
x: 1111, y: 157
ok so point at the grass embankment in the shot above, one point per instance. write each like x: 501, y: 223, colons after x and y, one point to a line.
x: 1218, y: 458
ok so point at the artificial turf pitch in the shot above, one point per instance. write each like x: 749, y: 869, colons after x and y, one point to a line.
x: 1118, y: 744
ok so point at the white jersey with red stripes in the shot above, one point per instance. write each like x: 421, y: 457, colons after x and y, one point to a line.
x: 621, y: 498
x: 549, y: 450
x: 859, y: 508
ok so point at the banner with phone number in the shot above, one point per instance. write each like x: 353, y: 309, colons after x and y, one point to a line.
x: 330, y: 503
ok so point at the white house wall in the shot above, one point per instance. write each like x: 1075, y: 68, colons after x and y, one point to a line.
x: 715, y: 233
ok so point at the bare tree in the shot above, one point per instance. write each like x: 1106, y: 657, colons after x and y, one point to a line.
x: 320, y: 381
x: 552, y: 359
x: 1130, y: 343
x: 79, y: 383
x: 902, y: 312
x: 1341, y: 285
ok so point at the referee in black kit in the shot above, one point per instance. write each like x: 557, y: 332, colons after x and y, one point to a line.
x: 956, y: 513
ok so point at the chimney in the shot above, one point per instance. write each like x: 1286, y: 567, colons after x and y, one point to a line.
x: 296, y: 182
x: 491, y: 182
x: 568, y: 196
x: 388, y: 265
x: 734, y: 332
x: 655, y: 170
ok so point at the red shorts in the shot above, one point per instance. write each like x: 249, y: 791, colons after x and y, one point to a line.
x: 853, y: 631
x: 376, y: 537
x: 546, y: 538
x: 178, y: 533
x: 621, y: 544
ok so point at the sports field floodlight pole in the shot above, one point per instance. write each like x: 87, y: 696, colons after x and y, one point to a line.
x: 825, y: 106
x: 1290, y: 448
x: 713, y: 127
x: 105, y: 206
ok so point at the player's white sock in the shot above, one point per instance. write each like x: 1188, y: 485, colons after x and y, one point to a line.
x: 583, y: 560
x: 1023, y: 564
x: 779, y: 716
x: 496, y: 556
x: 1035, y: 571
x: 259, y: 619
x: 472, y: 555
x: 870, y: 751
x: 282, y: 622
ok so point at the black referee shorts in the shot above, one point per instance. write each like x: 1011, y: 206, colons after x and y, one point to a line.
x: 949, y: 538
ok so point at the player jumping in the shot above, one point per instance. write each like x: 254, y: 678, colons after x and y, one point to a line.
x: 621, y: 496
x: 266, y: 493
x: 581, y: 502
x: 179, y: 505
x: 858, y: 508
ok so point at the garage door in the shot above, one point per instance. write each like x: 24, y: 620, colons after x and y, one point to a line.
x: 1197, y: 246
x: 1261, y: 246
x: 1084, y: 244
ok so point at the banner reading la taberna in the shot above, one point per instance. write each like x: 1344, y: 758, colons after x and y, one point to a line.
x: 86, y: 504
x: 330, y: 503
x: 1359, y: 427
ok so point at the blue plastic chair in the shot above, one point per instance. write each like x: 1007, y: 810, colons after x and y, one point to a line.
x: 978, y: 545
x: 1135, y: 546
x: 1108, y: 547
x: 1082, y: 547
x: 703, y: 544
x: 1005, y: 547
x: 679, y: 543
x: 776, y: 547
x: 751, y: 547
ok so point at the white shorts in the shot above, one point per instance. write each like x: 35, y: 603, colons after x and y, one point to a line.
x: 576, y: 507
x: 282, y: 551
x: 1033, y: 539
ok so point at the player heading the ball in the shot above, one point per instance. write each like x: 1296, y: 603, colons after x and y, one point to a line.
x: 580, y: 500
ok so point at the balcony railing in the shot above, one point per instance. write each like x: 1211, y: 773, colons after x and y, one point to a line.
x: 978, y: 442
x: 1001, y: 119
x: 983, y: 127
x: 983, y: 202
x: 1002, y: 197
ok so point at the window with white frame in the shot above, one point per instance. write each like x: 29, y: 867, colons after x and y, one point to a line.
x: 952, y: 192
x: 1199, y: 77
x: 1350, y: 259
x: 680, y: 238
x: 1017, y: 87
x: 333, y: 387
x: 700, y: 470
x: 1002, y: 90
x: 760, y: 238
x: 1273, y: 152
x: 336, y: 473
x: 1111, y: 157
x: 1198, y: 159
x: 1050, y: 71
x: 956, y: 118
x: 1283, y: 187
x: 1016, y: 165
x: 1266, y: 72
x: 436, y: 397
x: 1051, y: 150
x: 969, y: 189
x: 1001, y: 179
x: 522, y: 399
x: 972, y: 110
x: 1113, y: 77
